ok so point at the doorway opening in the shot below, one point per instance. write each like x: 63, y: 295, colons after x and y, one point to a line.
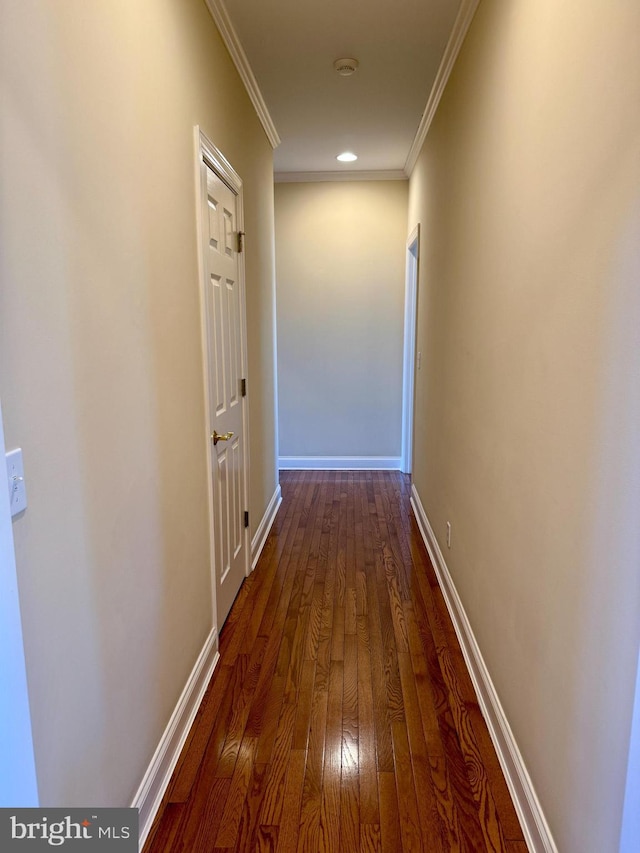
x: 408, y: 373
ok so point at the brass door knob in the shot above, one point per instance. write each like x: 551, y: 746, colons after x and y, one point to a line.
x: 224, y: 437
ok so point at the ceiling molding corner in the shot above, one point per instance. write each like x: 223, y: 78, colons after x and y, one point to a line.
x: 351, y: 175
x: 462, y: 23
x: 232, y: 42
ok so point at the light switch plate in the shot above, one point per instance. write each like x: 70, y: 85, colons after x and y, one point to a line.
x: 15, y: 477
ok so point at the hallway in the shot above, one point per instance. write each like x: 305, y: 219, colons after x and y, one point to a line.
x: 340, y: 716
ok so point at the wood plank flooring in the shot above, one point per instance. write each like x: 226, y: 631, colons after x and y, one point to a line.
x: 341, y: 716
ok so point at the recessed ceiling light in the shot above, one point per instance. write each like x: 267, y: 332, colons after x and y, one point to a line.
x: 347, y: 157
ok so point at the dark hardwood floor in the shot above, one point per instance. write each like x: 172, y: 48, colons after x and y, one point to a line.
x: 341, y: 716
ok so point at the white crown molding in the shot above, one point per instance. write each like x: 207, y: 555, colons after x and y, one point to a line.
x: 230, y: 38
x: 532, y: 819
x: 352, y: 175
x: 462, y: 23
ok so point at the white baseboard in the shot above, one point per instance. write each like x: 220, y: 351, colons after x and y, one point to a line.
x: 257, y: 543
x: 532, y: 820
x: 152, y: 788
x: 339, y: 463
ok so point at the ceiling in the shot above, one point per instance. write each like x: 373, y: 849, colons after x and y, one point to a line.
x: 285, y: 49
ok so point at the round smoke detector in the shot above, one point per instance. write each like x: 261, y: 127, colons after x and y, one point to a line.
x: 346, y: 67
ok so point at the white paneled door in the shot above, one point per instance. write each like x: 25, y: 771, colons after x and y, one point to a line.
x: 224, y: 321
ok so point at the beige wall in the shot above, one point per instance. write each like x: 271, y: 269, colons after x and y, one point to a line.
x: 528, y: 401
x: 101, y: 367
x: 340, y: 258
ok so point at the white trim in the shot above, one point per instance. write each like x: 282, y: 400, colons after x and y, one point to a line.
x: 200, y: 143
x: 339, y: 463
x: 351, y: 175
x: 154, y: 784
x: 219, y: 163
x: 239, y: 58
x: 257, y: 543
x: 18, y: 781
x: 462, y: 23
x: 630, y: 835
x: 409, y: 357
x: 532, y: 820
x: 274, y: 326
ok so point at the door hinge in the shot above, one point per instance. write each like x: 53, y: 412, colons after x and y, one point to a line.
x: 243, y: 387
x: 246, y: 518
x: 240, y: 241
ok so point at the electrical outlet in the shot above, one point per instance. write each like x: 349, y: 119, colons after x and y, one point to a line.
x: 448, y: 534
x: 15, y: 481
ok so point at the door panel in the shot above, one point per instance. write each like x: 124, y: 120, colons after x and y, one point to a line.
x: 224, y: 312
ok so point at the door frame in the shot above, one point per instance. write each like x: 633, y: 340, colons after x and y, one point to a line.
x: 409, y: 360
x: 206, y: 154
x: 18, y: 782
x: 630, y: 835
